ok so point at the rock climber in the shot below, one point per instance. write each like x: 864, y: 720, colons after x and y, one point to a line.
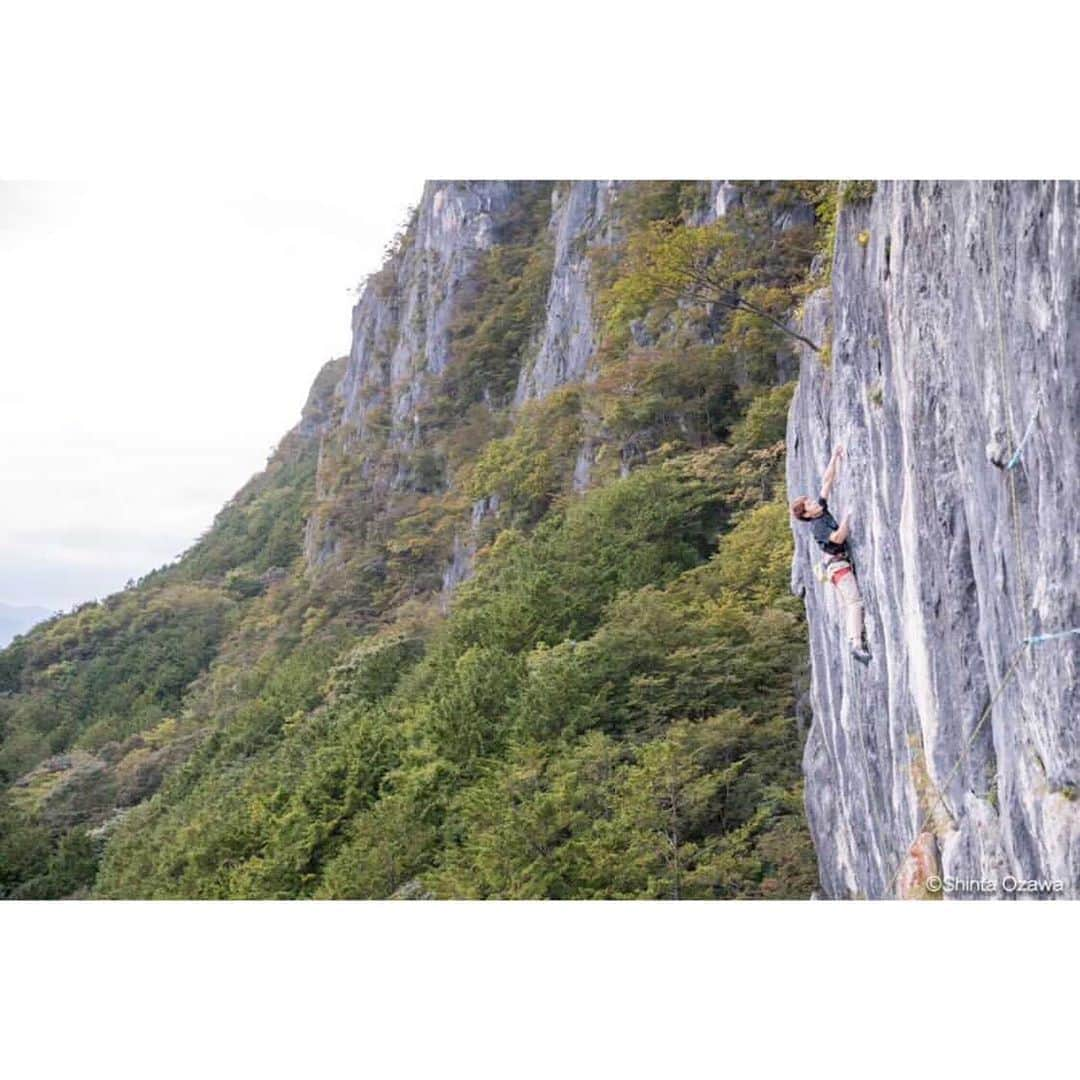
x: 832, y: 539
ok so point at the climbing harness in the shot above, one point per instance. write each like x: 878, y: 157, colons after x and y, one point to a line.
x: 838, y: 573
x: 829, y: 571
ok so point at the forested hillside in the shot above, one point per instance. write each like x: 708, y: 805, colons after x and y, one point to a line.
x: 506, y: 615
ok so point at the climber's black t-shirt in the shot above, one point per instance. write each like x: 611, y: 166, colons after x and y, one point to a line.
x: 822, y: 527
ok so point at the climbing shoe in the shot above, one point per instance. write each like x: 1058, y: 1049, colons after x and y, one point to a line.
x: 861, y: 655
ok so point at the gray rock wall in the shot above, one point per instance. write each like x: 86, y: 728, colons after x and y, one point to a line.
x: 401, y: 324
x: 954, y: 314
x: 401, y: 330
x: 580, y: 220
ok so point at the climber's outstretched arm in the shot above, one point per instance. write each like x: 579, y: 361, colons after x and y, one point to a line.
x: 831, y: 470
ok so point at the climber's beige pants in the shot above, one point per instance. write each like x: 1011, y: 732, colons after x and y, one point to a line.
x: 847, y: 589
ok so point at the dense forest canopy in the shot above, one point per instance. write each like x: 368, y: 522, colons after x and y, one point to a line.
x: 603, y: 704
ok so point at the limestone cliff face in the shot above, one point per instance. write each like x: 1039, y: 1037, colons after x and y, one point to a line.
x: 401, y: 331
x: 581, y: 218
x: 402, y: 325
x: 403, y: 337
x: 954, y: 317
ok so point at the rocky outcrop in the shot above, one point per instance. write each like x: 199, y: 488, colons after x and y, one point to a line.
x: 320, y: 409
x: 85, y: 789
x: 403, y: 322
x: 401, y: 325
x: 581, y: 219
x: 953, y: 316
x: 463, y: 555
x: 401, y: 332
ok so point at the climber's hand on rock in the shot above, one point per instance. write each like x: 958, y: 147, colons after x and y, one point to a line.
x: 838, y: 453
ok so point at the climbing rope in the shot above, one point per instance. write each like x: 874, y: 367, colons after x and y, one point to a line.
x: 1018, y: 653
x: 1015, y: 459
x: 939, y: 798
x: 995, y: 281
x: 1014, y: 504
x: 1024, y: 611
x: 1025, y: 614
x: 1038, y: 639
x: 870, y: 801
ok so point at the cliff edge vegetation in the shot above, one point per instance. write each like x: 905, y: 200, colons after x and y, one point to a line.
x: 506, y: 615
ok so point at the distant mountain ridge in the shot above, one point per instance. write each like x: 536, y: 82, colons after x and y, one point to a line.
x: 507, y: 614
x: 17, y: 620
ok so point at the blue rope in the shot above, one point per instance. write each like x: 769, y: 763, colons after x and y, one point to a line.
x: 1039, y: 638
x: 1015, y: 459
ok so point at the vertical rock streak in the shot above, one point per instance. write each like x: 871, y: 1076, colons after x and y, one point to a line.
x: 402, y: 324
x: 954, y: 309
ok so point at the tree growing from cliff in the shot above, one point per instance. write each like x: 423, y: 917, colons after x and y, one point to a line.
x: 741, y: 263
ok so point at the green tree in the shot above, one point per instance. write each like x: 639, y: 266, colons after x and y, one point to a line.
x: 739, y: 263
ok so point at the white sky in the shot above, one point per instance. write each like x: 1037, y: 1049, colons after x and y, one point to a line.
x: 155, y: 342
x: 157, y: 338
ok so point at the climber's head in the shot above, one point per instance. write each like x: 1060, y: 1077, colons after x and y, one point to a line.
x: 805, y: 509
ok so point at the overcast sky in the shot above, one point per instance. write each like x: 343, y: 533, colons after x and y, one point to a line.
x: 155, y: 343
